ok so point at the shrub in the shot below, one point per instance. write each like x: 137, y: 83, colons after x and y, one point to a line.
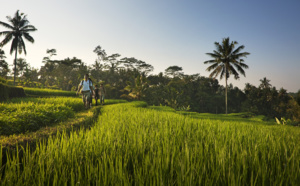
x: 7, y: 92
x: 2, y: 80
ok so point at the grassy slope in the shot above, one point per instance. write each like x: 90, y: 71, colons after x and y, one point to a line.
x: 138, y: 146
x: 82, y: 118
x: 239, y: 117
x: 36, y: 92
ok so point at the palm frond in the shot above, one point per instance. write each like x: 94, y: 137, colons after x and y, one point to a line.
x: 239, y: 55
x: 213, y: 55
x: 217, y: 53
x: 219, y: 47
x: 240, y: 69
x: 23, y: 23
x: 22, y: 46
x: 236, y: 51
x: 7, y: 39
x: 5, y: 33
x: 210, y: 61
x: 6, y: 25
x: 213, y: 66
x: 232, y: 70
x: 28, y: 37
x: 222, y: 73
x: 243, y: 65
x: 28, y: 28
x: 11, y: 20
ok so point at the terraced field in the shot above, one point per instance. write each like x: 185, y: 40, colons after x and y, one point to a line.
x: 132, y: 144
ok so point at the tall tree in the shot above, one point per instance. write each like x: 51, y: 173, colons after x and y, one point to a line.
x: 21, y: 66
x: 96, y: 69
x: 112, y: 63
x: 137, y: 91
x: 3, y: 64
x: 100, y: 52
x: 173, y: 71
x: 19, y: 28
x: 227, y: 61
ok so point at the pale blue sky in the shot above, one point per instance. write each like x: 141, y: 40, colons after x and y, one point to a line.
x: 168, y: 32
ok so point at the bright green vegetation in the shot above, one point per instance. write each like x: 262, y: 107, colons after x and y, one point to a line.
x: 131, y: 145
x: 48, y: 92
x: 238, y: 117
x: 30, y: 114
x: 81, y: 119
x: 21, y: 115
x: 8, y: 92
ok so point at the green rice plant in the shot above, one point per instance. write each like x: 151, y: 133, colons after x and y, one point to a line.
x: 30, y: 114
x: 74, y: 103
x: 31, y: 117
x: 111, y: 101
x: 131, y: 145
x: 48, y: 92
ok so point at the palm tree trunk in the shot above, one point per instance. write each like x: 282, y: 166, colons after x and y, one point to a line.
x: 226, y: 93
x: 15, y: 71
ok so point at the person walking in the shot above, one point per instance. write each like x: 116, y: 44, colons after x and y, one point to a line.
x: 101, y: 93
x: 93, y: 89
x: 96, y: 95
x: 86, y: 87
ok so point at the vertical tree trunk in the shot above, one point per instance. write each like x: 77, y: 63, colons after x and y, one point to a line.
x: 15, y: 71
x: 226, y: 93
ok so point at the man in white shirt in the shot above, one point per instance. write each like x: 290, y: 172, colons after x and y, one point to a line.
x: 87, y: 90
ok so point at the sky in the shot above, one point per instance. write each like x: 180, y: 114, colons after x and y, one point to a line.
x: 164, y: 33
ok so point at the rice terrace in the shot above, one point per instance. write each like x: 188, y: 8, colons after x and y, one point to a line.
x: 120, y: 121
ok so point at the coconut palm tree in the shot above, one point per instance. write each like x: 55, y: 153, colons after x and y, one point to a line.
x: 19, y: 27
x: 21, y: 66
x: 227, y: 61
x: 265, y: 83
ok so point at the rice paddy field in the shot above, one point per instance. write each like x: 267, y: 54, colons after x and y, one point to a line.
x: 132, y: 144
x: 48, y: 92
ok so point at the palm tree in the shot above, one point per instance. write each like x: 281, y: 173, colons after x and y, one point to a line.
x: 19, y: 27
x: 112, y: 63
x: 21, y: 66
x: 265, y: 83
x: 227, y: 61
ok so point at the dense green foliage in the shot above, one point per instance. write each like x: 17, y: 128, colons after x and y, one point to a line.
x: 30, y: 114
x: 3, y: 65
x: 130, y: 145
x: 8, y: 92
x: 129, y: 78
x: 268, y: 101
x: 2, y: 80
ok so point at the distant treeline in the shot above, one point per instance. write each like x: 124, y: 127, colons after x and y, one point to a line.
x: 129, y: 78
